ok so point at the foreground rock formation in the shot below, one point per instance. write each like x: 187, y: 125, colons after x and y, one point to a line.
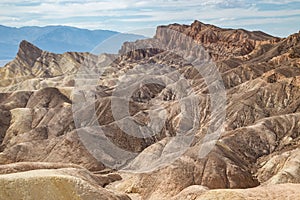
x: 54, y: 181
x: 285, y: 191
x: 45, y: 115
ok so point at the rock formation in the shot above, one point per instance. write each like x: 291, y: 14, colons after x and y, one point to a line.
x: 46, y: 115
x: 45, y: 182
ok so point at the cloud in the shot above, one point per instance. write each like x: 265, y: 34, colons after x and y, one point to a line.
x: 280, y: 2
x: 124, y: 15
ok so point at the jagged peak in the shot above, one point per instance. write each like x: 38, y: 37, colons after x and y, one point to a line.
x: 200, y: 28
x: 28, y: 52
x: 221, y: 42
x: 195, y: 23
x: 26, y: 46
x: 200, y: 25
x: 294, y: 38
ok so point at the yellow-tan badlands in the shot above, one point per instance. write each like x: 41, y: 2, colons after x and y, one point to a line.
x: 256, y: 156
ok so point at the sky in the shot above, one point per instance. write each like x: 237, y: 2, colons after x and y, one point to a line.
x: 279, y: 18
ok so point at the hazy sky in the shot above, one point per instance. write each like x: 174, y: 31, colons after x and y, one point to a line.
x: 279, y: 18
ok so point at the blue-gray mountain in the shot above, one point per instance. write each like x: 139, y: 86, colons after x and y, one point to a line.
x: 58, y: 39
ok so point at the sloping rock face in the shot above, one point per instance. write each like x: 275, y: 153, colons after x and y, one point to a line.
x: 53, y: 181
x: 53, y: 110
x: 260, y: 142
x: 221, y: 43
x: 41, y: 129
x: 285, y: 191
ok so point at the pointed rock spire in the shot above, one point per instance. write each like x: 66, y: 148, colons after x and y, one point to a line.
x: 28, y: 52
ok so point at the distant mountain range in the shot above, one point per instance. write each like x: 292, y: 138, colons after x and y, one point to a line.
x: 58, y: 39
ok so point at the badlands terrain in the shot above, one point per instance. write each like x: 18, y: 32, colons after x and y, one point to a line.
x: 196, y: 112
